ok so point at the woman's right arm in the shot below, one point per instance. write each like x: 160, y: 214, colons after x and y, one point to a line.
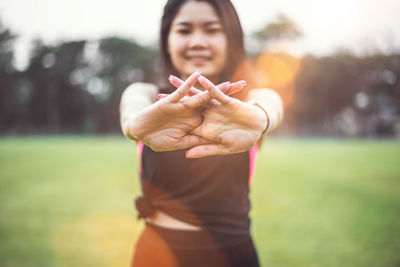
x: 134, y: 99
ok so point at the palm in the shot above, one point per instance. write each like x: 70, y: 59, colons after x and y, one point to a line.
x: 230, y: 125
x: 234, y: 126
x: 166, y: 125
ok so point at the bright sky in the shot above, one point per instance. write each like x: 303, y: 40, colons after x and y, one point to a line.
x: 360, y: 25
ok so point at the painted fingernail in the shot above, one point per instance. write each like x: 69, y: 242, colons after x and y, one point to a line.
x: 194, y: 75
x: 172, y: 77
x: 161, y: 96
x: 244, y: 83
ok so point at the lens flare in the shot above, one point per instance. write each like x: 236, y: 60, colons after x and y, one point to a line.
x: 104, y: 239
x: 277, y: 71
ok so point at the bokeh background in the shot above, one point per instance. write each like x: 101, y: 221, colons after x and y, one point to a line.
x: 327, y: 185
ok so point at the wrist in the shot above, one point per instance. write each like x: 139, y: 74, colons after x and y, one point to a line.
x: 273, y: 113
x: 267, y: 120
x: 129, y: 129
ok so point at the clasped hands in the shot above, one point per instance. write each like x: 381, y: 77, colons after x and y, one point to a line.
x: 207, y: 122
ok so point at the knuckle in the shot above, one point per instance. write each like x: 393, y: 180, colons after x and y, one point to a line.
x: 203, y: 101
x: 187, y: 104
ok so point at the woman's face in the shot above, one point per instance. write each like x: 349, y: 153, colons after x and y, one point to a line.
x: 197, y: 40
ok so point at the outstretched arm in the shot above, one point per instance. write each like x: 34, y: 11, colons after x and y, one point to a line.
x: 266, y: 99
x: 166, y: 124
x: 133, y: 100
x: 234, y: 126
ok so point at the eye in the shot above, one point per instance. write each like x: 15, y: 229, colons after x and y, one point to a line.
x: 184, y: 31
x: 214, y: 30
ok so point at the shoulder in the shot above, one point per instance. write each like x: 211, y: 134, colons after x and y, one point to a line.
x: 141, y: 88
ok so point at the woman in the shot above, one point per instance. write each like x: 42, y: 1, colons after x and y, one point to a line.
x: 197, y: 146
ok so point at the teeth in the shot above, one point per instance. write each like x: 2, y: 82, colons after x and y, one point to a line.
x: 198, y: 57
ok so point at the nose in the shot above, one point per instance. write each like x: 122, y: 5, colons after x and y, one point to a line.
x: 198, y: 40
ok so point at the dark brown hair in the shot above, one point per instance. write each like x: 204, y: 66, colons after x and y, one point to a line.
x: 233, y: 30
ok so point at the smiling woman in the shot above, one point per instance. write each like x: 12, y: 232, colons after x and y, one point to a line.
x: 197, y: 40
x: 208, y: 28
x: 198, y: 146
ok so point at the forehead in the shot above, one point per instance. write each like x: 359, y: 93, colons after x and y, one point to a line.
x: 196, y: 12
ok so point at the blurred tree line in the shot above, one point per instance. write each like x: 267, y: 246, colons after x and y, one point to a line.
x: 75, y: 86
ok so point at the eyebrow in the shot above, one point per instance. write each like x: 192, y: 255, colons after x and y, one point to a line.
x: 208, y: 23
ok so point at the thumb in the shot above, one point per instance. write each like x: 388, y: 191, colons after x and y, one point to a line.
x: 192, y: 140
x: 207, y: 150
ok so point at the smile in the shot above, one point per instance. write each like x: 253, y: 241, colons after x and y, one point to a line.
x: 198, y: 60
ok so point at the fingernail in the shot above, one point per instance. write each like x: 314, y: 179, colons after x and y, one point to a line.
x: 198, y: 70
x: 186, y: 153
x: 194, y: 75
x: 244, y: 83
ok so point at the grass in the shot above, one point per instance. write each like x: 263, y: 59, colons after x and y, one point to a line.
x: 67, y: 201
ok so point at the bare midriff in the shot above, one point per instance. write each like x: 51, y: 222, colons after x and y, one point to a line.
x: 162, y: 219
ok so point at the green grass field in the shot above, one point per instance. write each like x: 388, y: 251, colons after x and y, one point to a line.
x: 67, y: 201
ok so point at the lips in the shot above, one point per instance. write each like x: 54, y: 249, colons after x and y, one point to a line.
x: 198, y: 59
